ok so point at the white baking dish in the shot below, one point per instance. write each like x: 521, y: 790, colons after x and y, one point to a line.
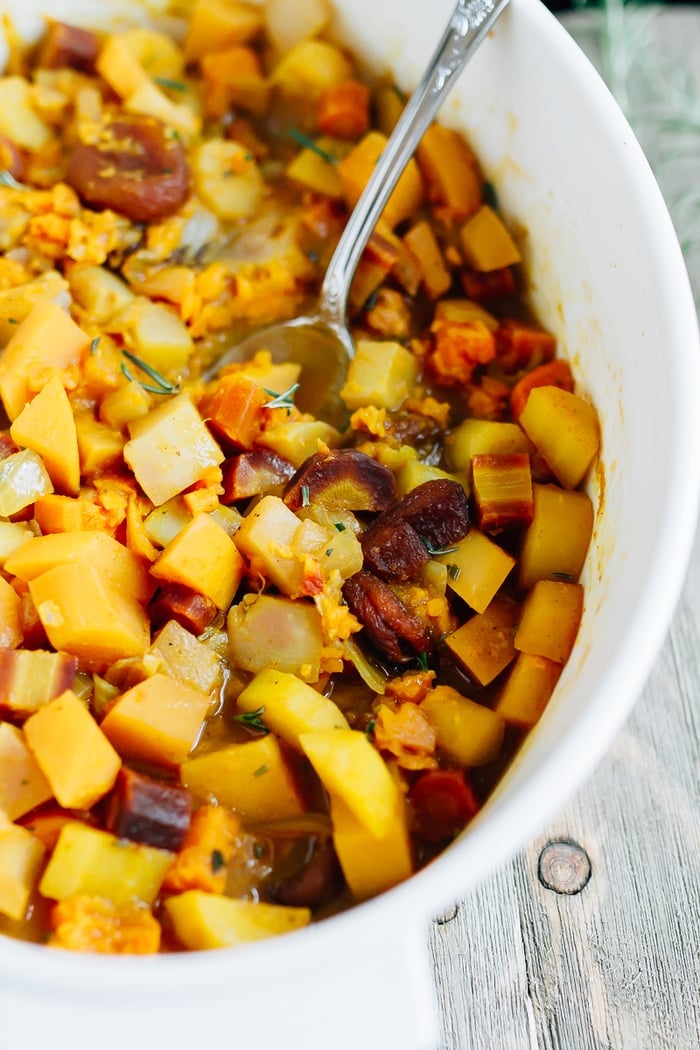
x: 608, y: 277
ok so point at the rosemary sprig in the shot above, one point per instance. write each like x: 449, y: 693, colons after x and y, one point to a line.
x: 167, y: 82
x: 253, y: 720
x: 283, y: 400
x: 160, y: 385
x: 305, y: 496
x: 8, y: 179
x: 308, y: 143
x: 453, y: 571
x: 94, y: 344
x: 435, y: 552
x: 423, y: 661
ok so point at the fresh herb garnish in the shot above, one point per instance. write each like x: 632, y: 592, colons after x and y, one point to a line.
x: 490, y: 197
x: 423, y: 661
x: 12, y: 320
x: 370, y: 726
x: 313, y: 256
x: 371, y: 301
x: 261, y: 770
x: 435, y: 552
x: 329, y: 552
x: 174, y: 85
x: 305, y: 496
x: 565, y: 576
x: 398, y: 92
x: 8, y: 179
x: 339, y: 526
x: 253, y: 720
x: 283, y: 400
x: 160, y: 384
x: 94, y: 344
x: 217, y: 860
x: 453, y: 571
x: 309, y: 143
x: 258, y: 850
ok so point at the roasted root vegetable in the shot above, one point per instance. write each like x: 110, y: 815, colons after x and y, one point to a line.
x: 251, y: 659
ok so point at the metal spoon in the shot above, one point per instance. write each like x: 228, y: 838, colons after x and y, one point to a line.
x: 322, y: 343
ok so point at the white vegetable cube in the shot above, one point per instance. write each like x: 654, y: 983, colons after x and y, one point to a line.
x: 380, y: 374
x: 265, y: 537
x: 158, y: 336
x: 170, y: 449
x: 23, y: 479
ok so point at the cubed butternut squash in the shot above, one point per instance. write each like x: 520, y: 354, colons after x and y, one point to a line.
x: 466, y: 731
x: 218, y: 24
x: 550, y: 619
x: 451, y: 170
x: 527, y: 691
x: 316, y: 171
x: 21, y: 856
x: 565, y: 431
x: 22, y: 783
x: 556, y: 541
x: 47, y: 426
x: 381, y: 374
x: 86, y: 860
x: 158, y: 720
x: 356, y: 168
x: 476, y: 569
x: 203, y: 557
x: 207, y: 920
x: 309, y: 68
x: 73, y: 753
x: 253, y: 779
x: 484, y: 645
x: 421, y: 240
x: 290, y: 707
x: 486, y: 243
x: 371, y: 864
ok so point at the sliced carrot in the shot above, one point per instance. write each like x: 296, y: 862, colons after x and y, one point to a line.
x: 554, y: 373
x: 344, y: 110
x: 520, y: 346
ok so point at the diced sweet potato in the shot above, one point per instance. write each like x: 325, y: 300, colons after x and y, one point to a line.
x: 344, y: 110
x: 234, y: 79
x: 550, y: 620
x: 208, y: 847
x: 520, y: 345
x: 459, y: 346
x: 89, y: 923
x: 356, y: 168
x: 203, y: 557
x: 450, y: 170
x: 484, y: 645
x: 21, y: 855
x: 217, y: 24
x: 46, y: 425
x: 527, y: 691
x: 234, y: 410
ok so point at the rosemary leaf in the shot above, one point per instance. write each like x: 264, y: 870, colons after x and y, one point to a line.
x: 8, y: 179
x: 308, y: 143
x: 162, y: 385
x: 253, y: 720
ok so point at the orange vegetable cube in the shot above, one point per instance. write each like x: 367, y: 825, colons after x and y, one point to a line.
x: 21, y: 856
x: 356, y: 168
x: 22, y: 783
x: 557, y: 539
x: 235, y: 409
x: 421, y: 240
x: 54, y: 513
x: 459, y: 346
x: 85, y: 923
x: 554, y: 373
x: 344, y: 110
x: 158, y: 720
x: 564, y: 429
x: 550, y: 620
x: 73, y: 753
x: 46, y: 425
x: 528, y: 689
x: 203, y: 557
x: 217, y: 24
x: 477, y: 569
x: 484, y: 645
x: 234, y: 78
x: 209, y: 846
x: 450, y: 170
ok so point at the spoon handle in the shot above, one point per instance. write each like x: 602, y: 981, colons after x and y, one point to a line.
x: 470, y: 22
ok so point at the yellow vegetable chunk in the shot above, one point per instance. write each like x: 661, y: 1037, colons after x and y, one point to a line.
x: 296, y: 440
x: 110, y: 559
x: 564, y: 429
x: 450, y: 169
x: 75, y: 756
x: 170, y: 449
x: 268, y: 631
x: 29, y: 678
x: 48, y: 341
x: 125, y: 404
x: 350, y: 768
x: 478, y: 437
x: 203, y: 557
x: 314, y: 171
x: 149, y: 100
x: 421, y: 240
x: 47, y: 426
x: 290, y: 706
x: 228, y: 179
x: 557, y: 539
x: 11, y: 632
x: 254, y: 779
x: 356, y: 168
x: 381, y: 374
x: 486, y: 243
x: 288, y: 21
x: 100, y: 447
x: 99, y: 291
x: 217, y: 24
x: 164, y: 522
x: 207, y: 920
x: 371, y: 864
x: 21, y: 855
x: 13, y: 535
x: 83, y: 615
x: 23, y: 480
x: 19, y: 121
x: 528, y: 690
x: 466, y: 731
x: 86, y: 860
x: 120, y: 66
x: 265, y: 537
x: 477, y: 569
x: 16, y: 303
x: 158, y: 336
x: 484, y: 645
x: 188, y: 660
x: 308, y: 68
x: 550, y: 619
x: 22, y: 783
x: 158, y: 720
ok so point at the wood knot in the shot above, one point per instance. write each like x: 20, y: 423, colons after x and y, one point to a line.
x: 447, y: 916
x: 564, y: 867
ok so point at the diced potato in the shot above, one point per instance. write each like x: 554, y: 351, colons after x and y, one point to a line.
x: 23, y: 479
x: 149, y: 100
x: 564, y: 429
x: 19, y: 121
x: 22, y: 783
x: 21, y: 855
x: 296, y: 440
x: 13, y: 535
x: 308, y: 68
x: 287, y: 22
x: 380, y: 373
x: 46, y: 425
x: 550, y: 619
x: 105, y: 555
x: 356, y: 168
x: 207, y: 920
x: 557, y: 540
x: 155, y: 52
x: 268, y: 631
x: 100, y: 447
x: 99, y: 291
x: 290, y: 707
x: 254, y: 779
x: 47, y: 341
x: 416, y: 473
x: 217, y: 24
x: 227, y: 178
x: 477, y: 569
x: 16, y: 303
x: 124, y: 405
x: 351, y: 769
x: 450, y: 169
x: 119, y: 65
x: 158, y: 336
x: 30, y: 678
x: 266, y: 537
x: 188, y: 660
x: 477, y: 437
x: 11, y: 631
x: 87, y: 860
x: 484, y: 645
x: 486, y: 243
x: 371, y: 864
x: 466, y: 731
x: 85, y: 616
x: 528, y: 690
x: 158, y: 720
x: 203, y: 557
x: 314, y: 171
x: 170, y: 449
x: 389, y: 103
x: 73, y: 753
x: 165, y: 522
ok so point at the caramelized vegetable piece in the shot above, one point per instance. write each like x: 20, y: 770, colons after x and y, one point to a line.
x: 341, y: 480
x: 550, y: 620
x: 86, y: 923
x: 254, y: 474
x: 174, y: 601
x: 520, y: 346
x: 235, y: 410
x: 209, y: 845
x: 315, y: 884
x: 393, y: 550
x: 389, y: 626
x: 484, y: 645
x: 442, y: 803
x: 502, y: 486
x: 67, y: 46
x: 147, y: 810
x: 469, y: 733
x: 135, y: 168
x: 477, y: 569
x: 438, y: 510
x: 344, y: 110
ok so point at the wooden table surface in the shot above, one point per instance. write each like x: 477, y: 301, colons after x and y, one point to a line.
x: 616, y: 965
